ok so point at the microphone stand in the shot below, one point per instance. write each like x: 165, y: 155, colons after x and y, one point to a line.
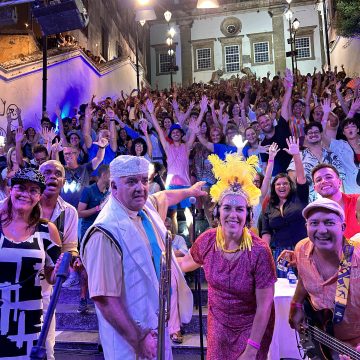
x: 198, y: 284
x: 38, y: 352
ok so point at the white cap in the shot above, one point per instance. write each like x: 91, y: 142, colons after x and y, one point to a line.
x: 126, y: 165
x: 324, y: 203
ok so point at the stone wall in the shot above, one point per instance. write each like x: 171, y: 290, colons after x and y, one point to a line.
x: 16, y: 46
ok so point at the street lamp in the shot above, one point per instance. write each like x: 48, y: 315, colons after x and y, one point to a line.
x: 288, y: 16
x: 295, y: 26
x: 207, y: 4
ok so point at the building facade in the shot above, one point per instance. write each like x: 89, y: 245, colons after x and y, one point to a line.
x: 248, y: 35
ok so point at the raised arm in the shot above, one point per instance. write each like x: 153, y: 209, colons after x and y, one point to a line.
x: 102, y: 144
x: 341, y: 98
x: 308, y: 97
x: 144, y: 128
x: 19, y: 137
x: 61, y: 125
x: 273, y: 150
x: 330, y: 130
x: 288, y: 83
x: 150, y: 108
x: 204, y: 142
x: 86, y: 130
x: 294, y: 151
x: 113, y: 133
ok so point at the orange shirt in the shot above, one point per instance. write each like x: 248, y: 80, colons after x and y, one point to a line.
x: 322, y: 293
x: 352, y: 226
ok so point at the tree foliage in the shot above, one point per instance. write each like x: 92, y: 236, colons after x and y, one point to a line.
x: 348, y: 18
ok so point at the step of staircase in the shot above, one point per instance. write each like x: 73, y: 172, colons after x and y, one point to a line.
x: 89, y: 341
x: 79, y: 332
x: 68, y: 319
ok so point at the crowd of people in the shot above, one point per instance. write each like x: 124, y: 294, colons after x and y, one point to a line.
x: 271, y: 161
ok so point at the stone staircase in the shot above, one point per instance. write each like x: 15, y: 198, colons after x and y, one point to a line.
x: 79, y: 332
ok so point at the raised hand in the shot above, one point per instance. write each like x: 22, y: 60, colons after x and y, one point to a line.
x: 326, y: 105
x: 204, y: 103
x: 289, y: 78
x: 273, y: 150
x: 102, y: 142
x: 293, y: 146
x: 143, y: 125
x: 110, y: 112
x: 224, y: 119
x: 19, y: 136
x: 193, y: 127
x: 316, y: 100
x: 89, y: 111
x: 57, y: 146
x: 239, y: 142
x: 221, y: 105
x: 263, y: 149
x: 355, y: 106
x: 309, y: 82
x: 175, y: 104
x: 150, y: 106
x: 338, y: 86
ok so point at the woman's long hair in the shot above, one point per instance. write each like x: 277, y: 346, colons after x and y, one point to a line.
x: 9, y: 162
x: 6, y: 214
x: 274, y: 199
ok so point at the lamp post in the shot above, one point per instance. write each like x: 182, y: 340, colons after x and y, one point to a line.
x: 169, y: 42
x: 289, y: 15
x: 295, y: 27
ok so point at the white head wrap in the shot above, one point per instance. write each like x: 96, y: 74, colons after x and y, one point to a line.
x: 126, y: 165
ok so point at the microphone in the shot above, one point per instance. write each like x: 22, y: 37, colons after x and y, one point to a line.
x: 192, y: 200
x: 64, y: 266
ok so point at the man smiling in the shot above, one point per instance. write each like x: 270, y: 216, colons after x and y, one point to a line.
x: 319, y: 260
x: 327, y: 183
x: 121, y: 253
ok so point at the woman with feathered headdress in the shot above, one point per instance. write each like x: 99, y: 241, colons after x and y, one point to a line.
x: 238, y: 267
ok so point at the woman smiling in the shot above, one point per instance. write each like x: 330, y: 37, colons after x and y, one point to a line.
x: 238, y: 267
x: 29, y: 247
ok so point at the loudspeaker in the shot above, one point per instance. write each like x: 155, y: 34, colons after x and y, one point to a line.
x: 60, y: 16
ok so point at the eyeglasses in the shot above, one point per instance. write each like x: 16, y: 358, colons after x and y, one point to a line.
x: 23, y: 189
x: 70, y: 153
x: 313, y: 133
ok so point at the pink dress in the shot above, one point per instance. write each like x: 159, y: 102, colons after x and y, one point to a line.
x: 231, y: 293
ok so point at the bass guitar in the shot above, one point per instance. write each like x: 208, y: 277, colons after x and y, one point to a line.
x: 317, y: 339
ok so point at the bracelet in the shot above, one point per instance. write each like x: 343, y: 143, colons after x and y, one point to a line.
x: 101, y: 147
x: 294, y: 304
x: 253, y: 343
x: 112, y: 119
x: 270, y: 160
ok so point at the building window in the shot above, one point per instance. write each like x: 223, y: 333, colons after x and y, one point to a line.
x: 261, y: 52
x: 302, y: 45
x: 164, y: 63
x: 232, y: 58
x: 203, y: 57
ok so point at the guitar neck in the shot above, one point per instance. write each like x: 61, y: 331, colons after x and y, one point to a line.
x: 332, y: 343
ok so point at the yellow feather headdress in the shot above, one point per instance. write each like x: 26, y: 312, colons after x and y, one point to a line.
x: 235, y: 176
